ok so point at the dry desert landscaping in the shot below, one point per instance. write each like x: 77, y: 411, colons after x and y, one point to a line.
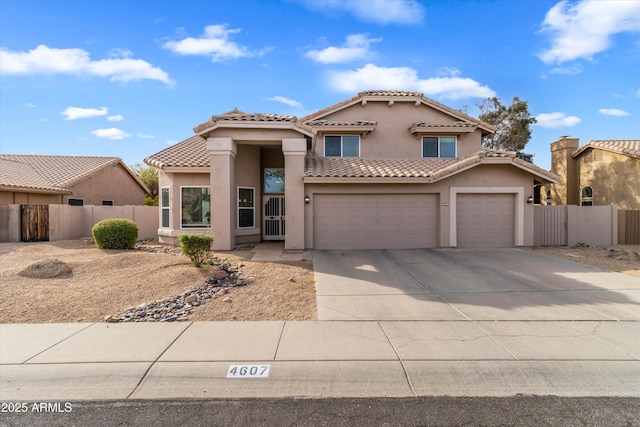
x: 91, y: 284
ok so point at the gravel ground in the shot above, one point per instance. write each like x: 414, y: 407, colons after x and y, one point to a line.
x: 106, y: 282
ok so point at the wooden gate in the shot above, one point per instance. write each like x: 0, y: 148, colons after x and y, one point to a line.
x: 34, y: 223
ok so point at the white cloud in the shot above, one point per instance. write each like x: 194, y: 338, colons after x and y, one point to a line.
x: 76, y: 62
x: 404, y: 78
x: 120, y: 53
x: 355, y: 48
x: 214, y: 43
x: 567, y: 71
x: 74, y: 113
x: 286, y: 101
x: 556, y: 120
x: 116, y: 118
x: 111, y: 133
x: 613, y: 112
x: 145, y: 136
x: 584, y: 28
x: 638, y: 93
x: 29, y: 105
x: 378, y: 11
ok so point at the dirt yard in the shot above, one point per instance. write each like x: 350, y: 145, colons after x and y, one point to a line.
x: 92, y: 284
x: 106, y: 282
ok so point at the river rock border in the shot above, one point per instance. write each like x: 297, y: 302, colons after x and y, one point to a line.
x: 179, y: 307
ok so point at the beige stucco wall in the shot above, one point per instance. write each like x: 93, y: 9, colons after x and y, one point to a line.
x: 21, y: 198
x: 175, y: 181
x: 113, y: 183
x: 391, y: 138
x: 483, y: 176
x: 615, y: 178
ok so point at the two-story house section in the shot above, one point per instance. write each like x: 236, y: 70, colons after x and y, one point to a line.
x: 382, y: 170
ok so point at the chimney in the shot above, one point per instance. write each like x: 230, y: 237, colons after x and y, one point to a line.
x: 565, y: 191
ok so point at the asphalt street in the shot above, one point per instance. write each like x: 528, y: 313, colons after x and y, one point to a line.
x: 424, y: 411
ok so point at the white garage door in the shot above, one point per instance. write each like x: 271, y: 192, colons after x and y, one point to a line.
x: 485, y: 220
x: 375, y: 221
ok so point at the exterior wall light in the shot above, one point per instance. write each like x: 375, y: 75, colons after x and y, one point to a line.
x: 530, y: 199
x: 307, y: 199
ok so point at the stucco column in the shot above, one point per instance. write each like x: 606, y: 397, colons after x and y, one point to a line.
x: 222, y: 153
x: 294, y: 150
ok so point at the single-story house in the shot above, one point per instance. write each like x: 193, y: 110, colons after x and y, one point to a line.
x: 73, y: 180
x: 600, y: 173
x: 384, y: 169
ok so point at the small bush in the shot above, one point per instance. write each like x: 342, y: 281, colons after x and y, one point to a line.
x: 196, y: 247
x: 115, y: 233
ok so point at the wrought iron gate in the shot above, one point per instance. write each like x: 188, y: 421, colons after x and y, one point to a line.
x: 273, y: 218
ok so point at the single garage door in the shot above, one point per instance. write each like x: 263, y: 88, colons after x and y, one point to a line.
x: 375, y: 221
x: 485, y: 220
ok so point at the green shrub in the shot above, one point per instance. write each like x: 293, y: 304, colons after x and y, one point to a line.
x: 196, y: 247
x: 115, y: 233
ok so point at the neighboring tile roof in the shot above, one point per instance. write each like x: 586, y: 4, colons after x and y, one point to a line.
x: 390, y: 93
x: 445, y: 125
x: 53, y: 172
x: 629, y: 147
x: 192, y: 152
x: 17, y: 174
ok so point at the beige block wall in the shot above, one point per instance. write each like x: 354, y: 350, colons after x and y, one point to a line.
x: 615, y: 178
x: 391, y: 138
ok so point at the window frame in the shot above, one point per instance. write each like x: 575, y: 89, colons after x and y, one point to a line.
x: 200, y: 225
x: 252, y: 208
x: 167, y: 208
x: 547, y: 197
x: 75, y: 198
x: 439, y: 156
x: 586, y: 200
x: 324, y: 144
x: 264, y: 177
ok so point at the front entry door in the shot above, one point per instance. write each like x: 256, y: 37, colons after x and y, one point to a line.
x: 273, y: 217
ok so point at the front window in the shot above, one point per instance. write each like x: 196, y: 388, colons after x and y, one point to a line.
x: 439, y: 146
x: 586, y: 196
x: 342, y: 146
x: 246, y: 207
x: 274, y: 180
x: 196, y: 207
x: 107, y: 203
x: 164, y: 206
x: 75, y: 202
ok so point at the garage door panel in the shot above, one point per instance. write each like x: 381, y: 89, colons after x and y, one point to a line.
x: 375, y: 221
x: 485, y: 220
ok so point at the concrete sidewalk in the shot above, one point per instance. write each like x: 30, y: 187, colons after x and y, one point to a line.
x: 319, y: 359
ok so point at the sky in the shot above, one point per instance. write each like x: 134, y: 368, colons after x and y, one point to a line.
x: 130, y: 78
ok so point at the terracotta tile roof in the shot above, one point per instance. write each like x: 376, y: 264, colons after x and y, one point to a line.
x: 54, y: 172
x: 432, y: 169
x: 391, y: 94
x: 446, y: 125
x: 192, y: 152
x: 629, y: 147
x: 236, y: 115
x: 343, y: 123
x: 373, y: 168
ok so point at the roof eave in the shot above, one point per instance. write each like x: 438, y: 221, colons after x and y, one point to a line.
x: 204, y: 132
x: 19, y: 189
x: 363, y: 180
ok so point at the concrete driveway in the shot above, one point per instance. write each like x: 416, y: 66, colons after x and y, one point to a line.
x: 477, y: 285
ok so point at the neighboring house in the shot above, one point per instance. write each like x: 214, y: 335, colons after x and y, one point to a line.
x: 384, y: 169
x: 600, y: 173
x: 73, y: 180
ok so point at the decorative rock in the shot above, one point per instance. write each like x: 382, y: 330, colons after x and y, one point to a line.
x: 226, y: 299
x: 46, y: 268
x: 220, y: 275
x: 191, y: 298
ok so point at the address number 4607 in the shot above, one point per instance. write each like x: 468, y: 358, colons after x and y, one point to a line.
x: 248, y: 371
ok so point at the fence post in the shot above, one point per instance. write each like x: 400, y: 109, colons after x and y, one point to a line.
x: 614, y: 224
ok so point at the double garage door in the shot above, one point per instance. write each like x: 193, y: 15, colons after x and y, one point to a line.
x: 406, y: 221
